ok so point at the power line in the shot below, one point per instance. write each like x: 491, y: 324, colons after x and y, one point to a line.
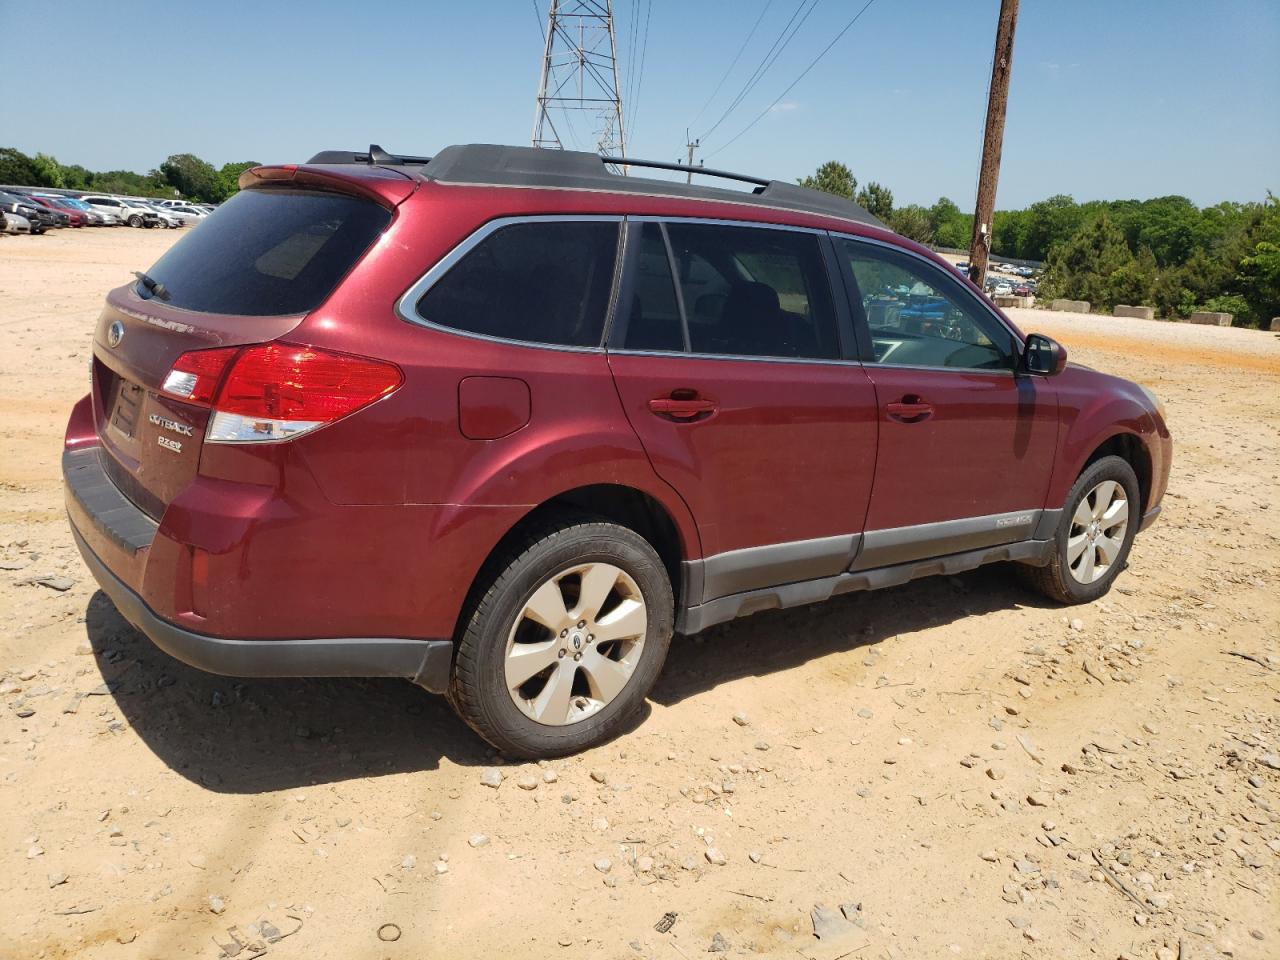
x: 770, y: 58
x: 847, y: 27
x: 734, y: 63
x: 644, y: 51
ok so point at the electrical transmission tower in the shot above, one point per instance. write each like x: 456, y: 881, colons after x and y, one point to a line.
x: 580, y: 74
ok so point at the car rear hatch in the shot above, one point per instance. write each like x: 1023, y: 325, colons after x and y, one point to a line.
x: 166, y: 345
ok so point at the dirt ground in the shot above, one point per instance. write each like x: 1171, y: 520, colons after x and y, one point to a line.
x: 966, y: 769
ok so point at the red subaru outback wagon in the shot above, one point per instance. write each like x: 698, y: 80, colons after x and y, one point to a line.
x: 503, y: 420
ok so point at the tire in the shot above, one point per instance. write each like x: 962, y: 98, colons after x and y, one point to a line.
x: 1061, y: 579
x: 533, y: 574
x: 135, y: 221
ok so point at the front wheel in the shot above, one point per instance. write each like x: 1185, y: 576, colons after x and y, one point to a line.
x: 562, y: 648
x: 135, y: 221
x: 1094, y: 536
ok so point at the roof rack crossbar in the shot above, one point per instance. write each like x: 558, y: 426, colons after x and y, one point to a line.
x: 685, y: 168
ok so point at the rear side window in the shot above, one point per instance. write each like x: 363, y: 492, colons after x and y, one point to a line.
x: 269, y: 252
x: 653, y: 317
x: 755, y: 292
x: 540, y: 282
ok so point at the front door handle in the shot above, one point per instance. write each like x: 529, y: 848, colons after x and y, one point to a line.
x: 682, y: 405
x: 910, y: 409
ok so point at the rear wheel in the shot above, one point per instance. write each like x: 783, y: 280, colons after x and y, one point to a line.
x: 1094, y: 535
x: 563, y: 646
x: 135, y: 221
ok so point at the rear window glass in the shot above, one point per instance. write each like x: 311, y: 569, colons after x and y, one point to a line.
x: 541, y: 282
x: 269, y: 252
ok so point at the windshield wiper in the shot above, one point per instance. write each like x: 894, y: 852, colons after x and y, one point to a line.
x: 153, y: 287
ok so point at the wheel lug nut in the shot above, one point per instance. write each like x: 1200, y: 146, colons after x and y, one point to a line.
x: 562, y: 652
x: 577, y: 656
x: 581, y: 624
x: 591, y: 638
x: 564, y: 633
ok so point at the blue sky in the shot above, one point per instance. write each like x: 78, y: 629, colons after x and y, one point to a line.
x: 1108, y: 100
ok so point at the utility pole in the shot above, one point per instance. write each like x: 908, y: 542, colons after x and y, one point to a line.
x: 580, y: 75
x: 692, y: 145
x: 992, y: 142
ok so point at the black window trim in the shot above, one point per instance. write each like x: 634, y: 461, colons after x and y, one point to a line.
x: 863, y: 328
x: 845, y: 336
x: 407, y: 305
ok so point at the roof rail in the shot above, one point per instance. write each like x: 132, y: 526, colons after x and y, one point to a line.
x: 684, y: 168
x: 498, y: 165
x: 375, y: 156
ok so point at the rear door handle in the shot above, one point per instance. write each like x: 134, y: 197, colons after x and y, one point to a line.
x: 681, y: 408
x: 910, y: 409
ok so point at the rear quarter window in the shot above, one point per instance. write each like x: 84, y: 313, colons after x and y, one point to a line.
x: 269, y: 252
x: 544, y: 282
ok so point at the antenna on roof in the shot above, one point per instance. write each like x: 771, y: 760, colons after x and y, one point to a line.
x: 379, y: 156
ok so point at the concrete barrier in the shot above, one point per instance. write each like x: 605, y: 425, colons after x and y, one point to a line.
x: 1212, y: 319
x: 1275, y: 324
x: 1142, y: 313
x: 1071, y: 306
x: 1003, y: 301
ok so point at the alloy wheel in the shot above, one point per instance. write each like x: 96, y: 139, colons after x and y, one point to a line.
x: 1097, y: 532
x: 575, y: 643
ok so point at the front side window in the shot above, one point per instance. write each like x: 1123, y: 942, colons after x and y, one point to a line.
x: 752, y: 291
x: 541, y: 282
x: 920, y: 317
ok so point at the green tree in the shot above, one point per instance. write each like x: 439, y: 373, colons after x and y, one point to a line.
x: 1089, y: 264
x: 949, y: 226
x: 17, y: 168
x: 1259, y: 271
x: 876, y: 200
x: 1134, y: 283
x: 192, y: 177
x: 913, y: 222
x: 832, y: 177
x: 48, y: 170
x: 230, y: 175
x: 1050, y: 222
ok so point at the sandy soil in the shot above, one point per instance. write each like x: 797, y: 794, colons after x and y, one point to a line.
x: 951, y: 755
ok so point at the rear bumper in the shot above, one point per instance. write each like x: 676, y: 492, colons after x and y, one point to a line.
x: 125, y: 536
x: 425, y: 662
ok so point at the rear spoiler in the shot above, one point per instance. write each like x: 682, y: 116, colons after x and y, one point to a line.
x: 384, y: 186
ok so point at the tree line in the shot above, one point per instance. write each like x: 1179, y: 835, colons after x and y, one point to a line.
x: 1165, y: 253
x: 182, y: 175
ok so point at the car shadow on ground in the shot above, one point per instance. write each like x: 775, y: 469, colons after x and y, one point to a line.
x: 236, y: 735
x: 781, y: 639
x: 253, y: 736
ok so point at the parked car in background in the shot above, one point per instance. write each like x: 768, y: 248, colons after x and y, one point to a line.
x: 384, y: 416
x: 1022, y: 290
x: 1003, y: 289
x: 168, y: 217
x: 109, y: 219
x: 73, y: 218
x: 190, y: 214
x: 127, y: 210
x: 40, y: 218
x: 66, y: 204
x: 15, y: 223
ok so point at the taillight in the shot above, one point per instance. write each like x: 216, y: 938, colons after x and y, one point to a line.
x: 274, y: 391
x: 196, y: 375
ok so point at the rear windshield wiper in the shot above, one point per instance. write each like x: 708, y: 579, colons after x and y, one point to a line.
x: 153, y: 287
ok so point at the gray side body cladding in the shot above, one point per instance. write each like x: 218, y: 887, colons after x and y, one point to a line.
x: 747, y: 581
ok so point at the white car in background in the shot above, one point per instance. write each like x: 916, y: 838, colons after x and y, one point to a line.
x: 169, y: 217
x: 130, y: 211
x: 13, y: 223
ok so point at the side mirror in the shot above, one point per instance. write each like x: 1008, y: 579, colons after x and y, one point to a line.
x: 1043, y: 356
